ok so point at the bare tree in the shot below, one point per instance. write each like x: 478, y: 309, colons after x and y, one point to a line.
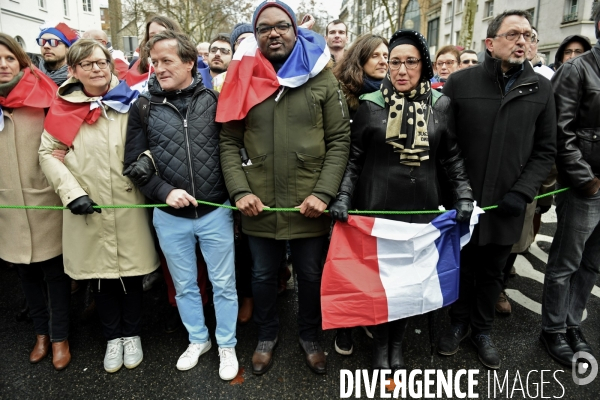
x: 317, y: 10
x: 465, y: 35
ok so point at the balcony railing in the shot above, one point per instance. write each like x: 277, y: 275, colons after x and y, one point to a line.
x: 570, y: 17
x: 448, y: 20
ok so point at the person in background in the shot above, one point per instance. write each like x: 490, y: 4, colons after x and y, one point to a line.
x: 468, y: 58
x: 202, y: 49
x: 337, y: 37
x: 54, y: 42
x: 571, y: 47
x: 446, y: 62
x: 31, y: 239
x: 115, y: 256
x: 219, y: 56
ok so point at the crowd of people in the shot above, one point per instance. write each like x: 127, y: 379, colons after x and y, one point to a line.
x: 303, y: 123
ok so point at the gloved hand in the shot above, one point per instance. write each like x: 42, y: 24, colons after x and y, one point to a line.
x: 512, y: 204
x: 140, y: 171
x: 542, y: 209
x: 339, y: 207
x: 464, y: 209
x: 83, y: 205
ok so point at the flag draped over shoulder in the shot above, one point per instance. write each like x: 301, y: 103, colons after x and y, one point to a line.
x: 380, y: 270
x: 64, y: 118
x: 251, y: 78
x: 136, y: 80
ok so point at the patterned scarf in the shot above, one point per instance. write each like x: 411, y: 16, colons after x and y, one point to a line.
x: 407, y: 122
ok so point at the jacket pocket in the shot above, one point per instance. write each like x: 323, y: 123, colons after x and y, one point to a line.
x: 256, y: 175
x: 308, y: 171
x: 588, y: 141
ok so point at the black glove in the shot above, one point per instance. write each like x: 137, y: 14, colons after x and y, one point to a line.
x: 464, y: 209
x: 512, y: 204
x: 339, y: 207
x: 83, y: 205
x: 140, y: 171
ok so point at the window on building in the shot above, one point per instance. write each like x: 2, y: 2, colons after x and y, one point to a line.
x: 458, y: 7
x: 447, y: 39
x: 66, y: 7
x: 21, y: 42
x: 456, y: 37
x: 42, y: 4
x: 87, y: 5
x: 448, y: 12
x: 412, y: 13
x: 488, y: 9
x: 433, y: 31
x: 571, y: 11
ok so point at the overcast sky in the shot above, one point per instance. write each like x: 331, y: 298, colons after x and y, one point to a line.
x: 331, y: 6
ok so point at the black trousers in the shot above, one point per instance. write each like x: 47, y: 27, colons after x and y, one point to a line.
x: 506, y: 271
x: 119, y: 305
x: 47, y: 290
x: 307, y: 260
x: 481, y: 280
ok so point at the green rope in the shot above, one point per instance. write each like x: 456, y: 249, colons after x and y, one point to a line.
x: 365, y: 212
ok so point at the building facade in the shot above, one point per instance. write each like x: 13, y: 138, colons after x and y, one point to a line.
x: 22, y: 18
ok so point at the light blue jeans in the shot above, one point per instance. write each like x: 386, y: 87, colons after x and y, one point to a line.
x: 214, y: 233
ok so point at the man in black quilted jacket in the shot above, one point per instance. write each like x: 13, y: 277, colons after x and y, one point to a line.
x: 172, y: 155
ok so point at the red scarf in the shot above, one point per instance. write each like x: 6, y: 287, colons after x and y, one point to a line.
x: 65, y: 118
x: 31, y: 91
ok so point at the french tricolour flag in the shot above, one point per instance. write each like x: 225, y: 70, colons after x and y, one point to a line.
x: 137, y: 81
x: 379, y: 270
x: 251, y: 78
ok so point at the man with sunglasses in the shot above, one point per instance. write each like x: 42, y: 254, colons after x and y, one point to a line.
x: 506, y: 128
x: 54, y: 42
x: 468, y: 58
x: 219, y: 56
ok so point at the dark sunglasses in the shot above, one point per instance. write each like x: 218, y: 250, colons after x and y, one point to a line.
x: 51, y: 42
x: 474, y: 62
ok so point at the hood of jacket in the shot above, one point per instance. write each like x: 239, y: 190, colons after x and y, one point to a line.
x: 72, y: 90
x: 584, y: 40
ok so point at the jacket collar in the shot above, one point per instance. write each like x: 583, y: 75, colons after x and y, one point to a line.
x: 493, y: 66
x: 72, y: 90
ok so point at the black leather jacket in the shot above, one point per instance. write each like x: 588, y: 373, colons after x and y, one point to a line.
x: 577, y: 95
x: 376, y: 179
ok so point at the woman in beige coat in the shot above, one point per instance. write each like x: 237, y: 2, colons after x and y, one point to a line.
x: 31, y: 239
x: 112, y: 247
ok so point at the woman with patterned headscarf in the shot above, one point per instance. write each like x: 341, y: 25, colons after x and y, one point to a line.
x: 403, y: 150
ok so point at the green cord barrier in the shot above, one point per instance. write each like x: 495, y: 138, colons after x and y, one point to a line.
x: 365, y: 212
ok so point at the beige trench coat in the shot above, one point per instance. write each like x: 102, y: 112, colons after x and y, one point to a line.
x: 26, y: 236
x: 116, y: 242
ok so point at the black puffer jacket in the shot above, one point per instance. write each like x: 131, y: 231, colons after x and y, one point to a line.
x: 577, y: 94
x: 375, y: 178
x: 183, y: 139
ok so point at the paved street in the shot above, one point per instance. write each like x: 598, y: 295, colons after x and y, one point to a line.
x: 516, y: 337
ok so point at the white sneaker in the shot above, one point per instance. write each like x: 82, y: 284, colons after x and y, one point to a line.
x: 113, y: 359
x: 189, y: 358
x: 228, y: 368
x: 133, y: 351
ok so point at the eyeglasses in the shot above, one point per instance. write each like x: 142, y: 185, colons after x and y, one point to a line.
x: 448, y: 63
x: 569, y: 52
x: 265, y: 30
x: 534, y: 39
x: 410, y: 63
x: 466, y: 62
x: 88, y: 65
x: 514, y: 36
x: 52, y: 42
x: 223, y: 50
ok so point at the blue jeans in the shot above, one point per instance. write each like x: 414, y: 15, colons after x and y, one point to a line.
x: 307, y: 259
x: 214, y: 233
x: 573, y: 262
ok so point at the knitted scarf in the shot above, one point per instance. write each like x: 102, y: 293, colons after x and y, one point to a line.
x: 59, y: 76
x: 407, y: 123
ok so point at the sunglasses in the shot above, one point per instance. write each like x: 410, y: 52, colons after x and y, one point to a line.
x: 474, y: 62
x: 52, y: 42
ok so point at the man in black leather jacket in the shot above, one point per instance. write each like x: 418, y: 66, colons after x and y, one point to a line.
x: 574, y: 260
x: 506, y: 129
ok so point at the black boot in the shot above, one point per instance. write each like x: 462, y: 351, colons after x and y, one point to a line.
x: 397, y: 329
x: 381, y: 346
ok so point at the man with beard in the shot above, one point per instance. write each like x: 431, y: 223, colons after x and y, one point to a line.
x: 337, y: 37
x: 219, y: 56
x: 54, y: 42
x: 506, y: 128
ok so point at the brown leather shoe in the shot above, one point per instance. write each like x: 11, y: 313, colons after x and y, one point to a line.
x: 245, y: 311
x: 262, y: 359
x: 315, y: 357
x: 61, y: 356
x: 40, y: 350
x: 503, y: 305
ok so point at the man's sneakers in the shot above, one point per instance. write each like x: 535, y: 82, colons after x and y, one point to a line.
x: 189, y: 358
x: 134, y: 355
x: 228, y: 367
x: 488, y: 355
x: 113, y: 358
x: 343, y: 341
x: 450, y: 340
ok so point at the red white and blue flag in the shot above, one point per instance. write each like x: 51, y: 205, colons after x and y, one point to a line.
x: 136, y: 80
x: 251, y: 78
x: 379, y: 270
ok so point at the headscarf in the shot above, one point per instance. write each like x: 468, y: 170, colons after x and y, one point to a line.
x: 408, y: 112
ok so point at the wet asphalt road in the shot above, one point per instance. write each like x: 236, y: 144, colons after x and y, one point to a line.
x: 516, y: 337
